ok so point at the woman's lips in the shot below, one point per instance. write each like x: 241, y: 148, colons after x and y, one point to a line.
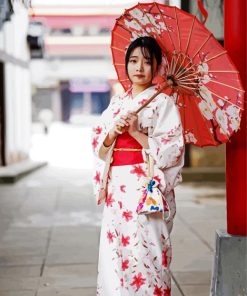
x: 139, y: 75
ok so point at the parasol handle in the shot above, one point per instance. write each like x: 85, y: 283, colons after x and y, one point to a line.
x: 153, y: 96
x: 150, y: 100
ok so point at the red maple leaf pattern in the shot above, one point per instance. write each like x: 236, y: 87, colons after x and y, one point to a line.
x: 138, y: 281
x: 97, y: 177
x: 142, y: 102
x: 122, y: 188
x: 109, y: 200
x: 164, y: 258
x: 167, y: 292
x: 110, y: 236
x: 157, y: 178
x: 165, y: 140
x: 165, y: 204
x: 137, y: 169
x: 116, y: 112
x: 127, y: 215
x: 125, y: 240
x: 120, y: 204
x: 98, y: 130
x: 95, y: 142
x: 125, y: 264
x: 157, y: 291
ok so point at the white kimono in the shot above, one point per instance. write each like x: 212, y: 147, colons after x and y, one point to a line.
x: 135, y: 250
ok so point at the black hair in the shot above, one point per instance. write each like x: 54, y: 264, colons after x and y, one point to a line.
x: 148, y: 45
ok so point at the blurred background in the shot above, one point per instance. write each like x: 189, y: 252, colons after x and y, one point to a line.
x: 56, y: 77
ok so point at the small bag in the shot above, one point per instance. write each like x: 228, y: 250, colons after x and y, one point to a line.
x: 151, y: 200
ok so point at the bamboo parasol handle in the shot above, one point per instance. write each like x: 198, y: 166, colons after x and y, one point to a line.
x: 153, y: 96
x: 150, y: 100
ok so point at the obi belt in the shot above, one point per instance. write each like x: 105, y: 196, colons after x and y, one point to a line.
x: 126, y: 151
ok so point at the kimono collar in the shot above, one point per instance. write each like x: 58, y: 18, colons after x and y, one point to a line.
x: 128, y: 93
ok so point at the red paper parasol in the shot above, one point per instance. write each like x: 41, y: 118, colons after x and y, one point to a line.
x: 196, y: 69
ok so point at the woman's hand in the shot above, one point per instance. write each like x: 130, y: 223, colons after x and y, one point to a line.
x: 132, y: 120
x: 134, y: 132
x: 125, y: 123
x: 120, y: 126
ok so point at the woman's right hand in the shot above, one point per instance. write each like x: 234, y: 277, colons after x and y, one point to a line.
x: 120, y: 126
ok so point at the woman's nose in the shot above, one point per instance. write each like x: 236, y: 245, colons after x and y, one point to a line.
x: 139, y: 67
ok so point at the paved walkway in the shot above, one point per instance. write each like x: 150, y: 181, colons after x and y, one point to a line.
x: 49, y: 235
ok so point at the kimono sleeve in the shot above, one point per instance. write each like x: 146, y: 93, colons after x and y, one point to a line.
x: 100, y: 131
x: 166, y: 142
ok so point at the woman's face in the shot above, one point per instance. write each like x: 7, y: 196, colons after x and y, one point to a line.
x: 139, y: 68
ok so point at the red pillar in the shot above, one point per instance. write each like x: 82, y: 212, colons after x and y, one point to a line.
x: 236, y: 150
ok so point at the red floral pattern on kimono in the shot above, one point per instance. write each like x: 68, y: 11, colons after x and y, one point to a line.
x: 135, y: 249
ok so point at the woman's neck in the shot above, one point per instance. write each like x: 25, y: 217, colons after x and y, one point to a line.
x: 136, y: 89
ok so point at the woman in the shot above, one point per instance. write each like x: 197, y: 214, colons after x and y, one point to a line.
x: 135, y: 249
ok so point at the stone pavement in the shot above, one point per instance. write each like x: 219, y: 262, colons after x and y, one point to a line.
x: 49, y: 235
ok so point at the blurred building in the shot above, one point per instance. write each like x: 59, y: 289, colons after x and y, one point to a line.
x: 75, y: 75
x: 15, y: 94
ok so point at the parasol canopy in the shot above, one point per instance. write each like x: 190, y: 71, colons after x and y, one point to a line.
x: 196, y: 70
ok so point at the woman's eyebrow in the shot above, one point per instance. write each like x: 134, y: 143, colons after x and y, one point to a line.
x: 146, y: 58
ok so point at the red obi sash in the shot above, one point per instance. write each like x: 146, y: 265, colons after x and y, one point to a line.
x: 122, y: 157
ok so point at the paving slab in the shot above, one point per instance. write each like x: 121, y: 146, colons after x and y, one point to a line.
x: 19, y: 271
x: 67, y: 292
x: 17, y: 260
x: 13, y: 172
x: 195, y: 290
x: 18, y: 293
x: 69, y: 276
x: 197, y: 277
x: 19, y: 283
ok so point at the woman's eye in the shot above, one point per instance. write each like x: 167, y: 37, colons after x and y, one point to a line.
x: 148, y: 62
x: 132, y: 61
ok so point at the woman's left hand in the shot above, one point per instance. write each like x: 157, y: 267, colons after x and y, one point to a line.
x: 132, y: 119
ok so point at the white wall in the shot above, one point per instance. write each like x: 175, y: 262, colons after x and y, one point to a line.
x: 175, y: 3
x: 215, y: 21
x: 17, y: 87
x: 1, y: 40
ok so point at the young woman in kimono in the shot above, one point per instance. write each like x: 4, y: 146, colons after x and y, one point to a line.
x: 135, y: 249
